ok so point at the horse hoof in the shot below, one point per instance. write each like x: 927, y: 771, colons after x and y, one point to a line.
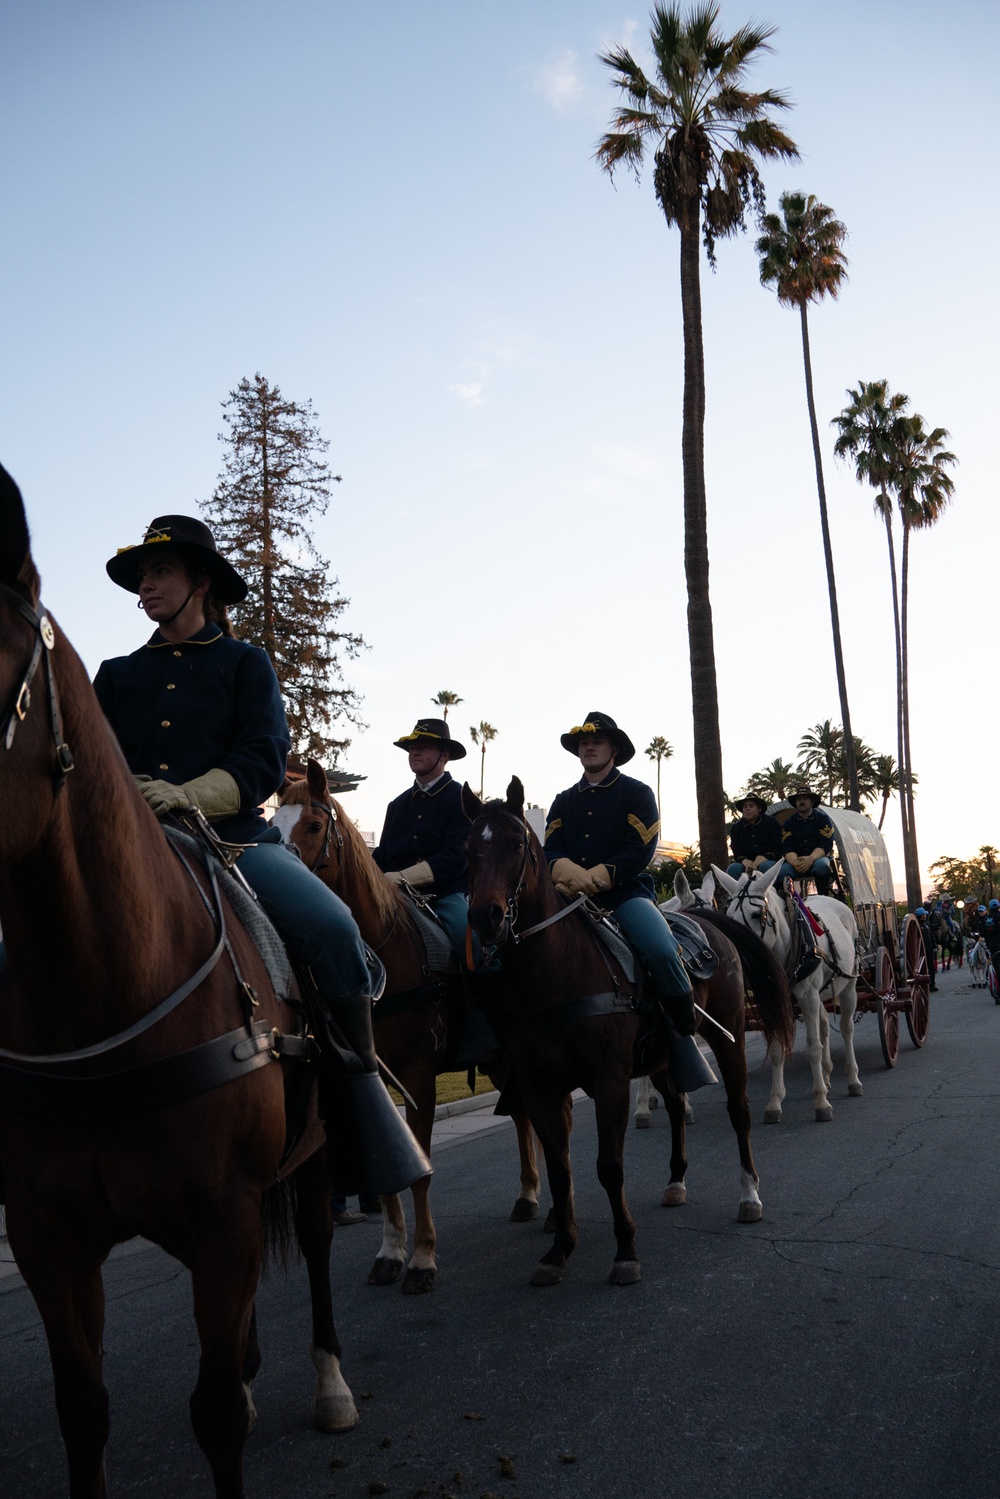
x: 385, y: 1272
x: 824, y: 1114
x: 772, y: 1116
x: 750, y: 1212
x: 524, y: 1210
x: 642, y: 1121
x: 549, y: 1226
x: 688, y: 1113
x: 854, y: 1090
x: 336, y: 1413
x: 625, y: 1273
x: 418, y: 1281
x: 547, y: 1275
x: 675, y: 1196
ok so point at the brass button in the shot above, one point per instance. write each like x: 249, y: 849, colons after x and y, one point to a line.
x: 171, y: 686
x: 164, y: 723
x: 177, y: 653
x: 163, y: 766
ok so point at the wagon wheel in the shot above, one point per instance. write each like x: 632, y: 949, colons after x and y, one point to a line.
x: 993, y: 985
x: 918, y: 1011
x: 884, y: 983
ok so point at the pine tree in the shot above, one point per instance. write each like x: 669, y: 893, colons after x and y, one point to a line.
x: 274, y: 483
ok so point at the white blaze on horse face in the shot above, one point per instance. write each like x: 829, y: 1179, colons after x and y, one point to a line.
x: 486, y: 834
x: 285, y: 820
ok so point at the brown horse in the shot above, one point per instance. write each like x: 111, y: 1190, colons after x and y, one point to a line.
x: 101, y: 921
x: 418, y: 1020
x: 567, y: 1023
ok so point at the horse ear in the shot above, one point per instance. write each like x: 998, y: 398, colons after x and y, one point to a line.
x: 682, y: 890
x: 16, y: 565
x: 515, y: 797
x: 764, y: 882
x: 471, y: 805
x: 724, y: 881
x: 316, y: 778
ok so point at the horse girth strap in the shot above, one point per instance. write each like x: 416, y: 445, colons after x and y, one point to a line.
x: 100, y: 1048
x: 153, y: 1085
x: 585, y: 1007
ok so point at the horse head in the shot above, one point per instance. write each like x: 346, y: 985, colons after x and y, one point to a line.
x: 748, y: 899
x: 307, y: 820
x: 503, y: 862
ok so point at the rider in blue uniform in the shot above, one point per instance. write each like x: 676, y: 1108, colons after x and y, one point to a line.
x: 807, y: 841
x: 199, y: 718
x: 423, y: 837
x: 754, y: 837
x: 600, y: 838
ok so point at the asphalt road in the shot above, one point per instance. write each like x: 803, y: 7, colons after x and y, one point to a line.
x: 846, y: 1346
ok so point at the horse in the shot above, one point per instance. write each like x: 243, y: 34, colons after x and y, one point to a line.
x: 101, y: 920
x: 952, y: 944
x: 754, y: 902
x: 978, y: 958
x: 564, y: 1029
x: 417, y: 1022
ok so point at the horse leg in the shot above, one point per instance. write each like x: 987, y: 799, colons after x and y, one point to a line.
x: 334, y: 1408
x: 526, y: 1206
x: 422, y: 1269
x: 552, y: 1118
x: 817, y: 1024
x: 732, y: 1060
x: 419, y: 1080
x: 611, y: 1105
x: 251, y: 1364
x: 643, y: 1095
x: 675, y: 1193
x: 776, y: 1057
x: 224, y: 1275
x: 391, y: 1258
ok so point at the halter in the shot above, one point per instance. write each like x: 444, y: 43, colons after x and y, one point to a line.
x: 18, y: 709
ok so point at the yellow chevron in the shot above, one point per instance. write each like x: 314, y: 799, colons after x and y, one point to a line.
x: 557, y: 823
x: 646, y: 834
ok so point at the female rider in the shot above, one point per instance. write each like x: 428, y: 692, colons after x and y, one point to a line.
x: 199, y: 718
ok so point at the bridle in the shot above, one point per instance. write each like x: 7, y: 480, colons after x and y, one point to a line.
x: 17, y: 711
x: 508, y: 931
x: 332, y: 829
x: 764, y: 915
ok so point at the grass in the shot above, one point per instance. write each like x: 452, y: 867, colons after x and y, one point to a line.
x: 454, y: 1085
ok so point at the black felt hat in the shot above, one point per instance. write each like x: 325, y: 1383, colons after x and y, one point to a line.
x: 193, y: 542
x: 804, y: 791
x: 751, y: 796
x: 599, y: 723
x: 433, y: 730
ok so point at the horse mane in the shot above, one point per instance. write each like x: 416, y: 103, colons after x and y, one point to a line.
x: 388, y: 900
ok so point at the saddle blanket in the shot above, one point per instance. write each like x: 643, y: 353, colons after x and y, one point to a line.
x: 440, y: 955
x: 697, y: 955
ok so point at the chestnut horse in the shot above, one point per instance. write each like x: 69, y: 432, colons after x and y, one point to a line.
x: 558, y: 1042
x: 418, y: 1020
x: 101, y: 922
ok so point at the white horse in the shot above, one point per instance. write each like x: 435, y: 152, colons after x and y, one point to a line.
x: 978, y: 958
x: 754, y: 901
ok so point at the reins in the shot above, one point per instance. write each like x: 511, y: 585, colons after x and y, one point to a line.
x: 45, y: 640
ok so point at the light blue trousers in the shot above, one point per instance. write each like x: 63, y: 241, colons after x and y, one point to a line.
x: 645, y: 927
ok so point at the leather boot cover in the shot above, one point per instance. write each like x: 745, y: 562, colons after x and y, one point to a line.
x: 688, y: 1068
x: 370, y: 1147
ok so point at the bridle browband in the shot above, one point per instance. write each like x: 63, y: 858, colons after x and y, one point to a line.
x: 45, y: 640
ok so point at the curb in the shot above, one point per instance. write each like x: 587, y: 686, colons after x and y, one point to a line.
x: 466, y: 1105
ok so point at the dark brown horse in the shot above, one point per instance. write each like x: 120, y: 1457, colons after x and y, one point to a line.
x: 418, y: 1020
x: 557, y: 1041
x: 102, y: 923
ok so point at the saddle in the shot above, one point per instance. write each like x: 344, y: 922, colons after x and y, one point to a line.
x: 697, y: 955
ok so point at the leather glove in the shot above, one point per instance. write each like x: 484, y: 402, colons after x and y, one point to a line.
x: 601, y: 876
x: 162, y: 796
x: 572, y: 879
x: 416, y: 875
x: 215, y: 793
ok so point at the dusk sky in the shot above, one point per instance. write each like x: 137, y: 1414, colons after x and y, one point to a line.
x: 394, y: 210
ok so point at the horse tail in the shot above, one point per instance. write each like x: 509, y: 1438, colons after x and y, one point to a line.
x: 763, y: 976
x: 278, y: 1214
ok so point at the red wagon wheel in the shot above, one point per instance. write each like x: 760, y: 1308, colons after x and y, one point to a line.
x: 888, y: 1015
x: 917, y: 974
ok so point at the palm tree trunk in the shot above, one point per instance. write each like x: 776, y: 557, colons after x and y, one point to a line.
x: 912, y: 862
x: 904, y: 813
x: 482, y: 770
x: 885, y: 808
x: 854, y: 797
x: 658, y: 812
x: 701, y: 640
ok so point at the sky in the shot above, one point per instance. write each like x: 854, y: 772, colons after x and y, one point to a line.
x: 393, y: 210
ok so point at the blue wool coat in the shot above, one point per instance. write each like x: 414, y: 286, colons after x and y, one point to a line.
x: 209, y: 702
x: 800, y: 835
x: 614, y: 823
x: 429, y: 827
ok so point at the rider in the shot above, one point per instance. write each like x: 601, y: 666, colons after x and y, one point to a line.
x: 991, y: 930
x: 601, y: 835
x: 754, y: 836
x: 807, y: 841
x: 423, y: 837
x: 199, y: 718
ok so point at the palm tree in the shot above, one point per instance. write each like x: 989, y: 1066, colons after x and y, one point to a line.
x: 707, y: 133
x: 821, y: 748
x: 886, y: 781
x: 801, y: 255
x: 988, y: 854
x: 658, y: 749
x: 446, y: 700
x: 482, y: 737
x: 774, y: 781
x: 866, y: 426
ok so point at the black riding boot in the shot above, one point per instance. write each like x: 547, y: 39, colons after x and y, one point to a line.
x: 688, y: 1068
x: 370, y: 1147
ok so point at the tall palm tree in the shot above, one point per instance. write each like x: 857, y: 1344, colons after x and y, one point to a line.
x: 801, y: 255
x: 988, y: 854
x: 707, y: 133
x: 886, y: 777
x: 481, y: 737
x: 866, y: 433
x: 774, y: 781
x: 659, y: 749
x: 821, y: 748
x: 446, y: 700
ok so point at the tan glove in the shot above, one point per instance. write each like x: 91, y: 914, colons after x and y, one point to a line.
x: 572, y: 879
x: 416, y: 875
x: 602, y: 877
x: 215, y: 793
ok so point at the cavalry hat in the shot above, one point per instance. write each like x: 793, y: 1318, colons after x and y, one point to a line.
x: 195, y: 544
x: 599, y: 723
x: 432, y: 729
x: 751, y: 796
x: 804, y: 791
